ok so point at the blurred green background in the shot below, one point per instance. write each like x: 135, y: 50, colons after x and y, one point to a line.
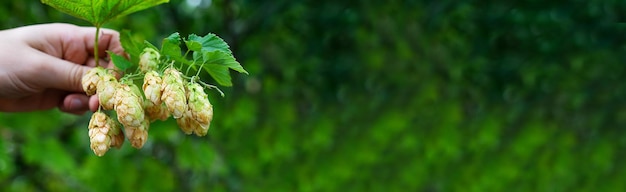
x: 363, y: 96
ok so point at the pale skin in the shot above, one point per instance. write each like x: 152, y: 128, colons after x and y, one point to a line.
x: 41, y: 66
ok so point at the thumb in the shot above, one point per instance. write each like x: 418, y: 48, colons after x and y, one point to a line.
x: 62, y: 75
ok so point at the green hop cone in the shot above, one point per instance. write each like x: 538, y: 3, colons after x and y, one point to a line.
x: 200, y: 108
x: 116, y: 134
x: 91, y: 79
x: 149, y: 59
x: 129, y: 106
x: 174, y: 93
x: 106, y: 91
x: 152, y: 87
x: 99, y: 137
x: 138, y: 135
x: 155, y: 112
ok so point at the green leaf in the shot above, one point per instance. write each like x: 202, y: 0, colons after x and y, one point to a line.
x: 215, y: 57
x: 99, y: 12
x: 193, y: 45
x: 223, y: 59
x: 217, y: 63
x: 210, y: 42
x: 148, y: 44
x: 130, y: 47
x: 171, y: 46
x: 220, y: 74
x: 119, y: 61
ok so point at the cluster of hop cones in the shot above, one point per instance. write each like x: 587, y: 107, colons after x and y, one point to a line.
x: 165, y: 93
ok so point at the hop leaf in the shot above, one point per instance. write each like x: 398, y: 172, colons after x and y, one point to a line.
x: 98, y: 12
x: 171, y: 47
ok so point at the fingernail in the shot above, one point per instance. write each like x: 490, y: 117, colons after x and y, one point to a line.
x: 75, y: 104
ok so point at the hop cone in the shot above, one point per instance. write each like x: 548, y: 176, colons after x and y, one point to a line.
x: 152, y: 87
x: 186, y: 123
x: 116, y: 134
x: 200, y: 129
x: 200, y: 108
x: 106, y: 91
x: 149, y: 59
x: 155, y: 112
x: 138, y: 135
x: 174, y: 93
x: 91, y: 78
x: 99, y: 137
x: 129, y: 106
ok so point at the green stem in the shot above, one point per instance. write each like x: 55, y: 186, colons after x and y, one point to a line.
x: 95, y: 48
x: 212, y: 87
x: 189, y: 67
x: 200, y: 69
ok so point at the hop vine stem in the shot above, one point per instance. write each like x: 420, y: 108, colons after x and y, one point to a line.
x: 95, y: 48
x: 212, y: 87
x: 197, y: 79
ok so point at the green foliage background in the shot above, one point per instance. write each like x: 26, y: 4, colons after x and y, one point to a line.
x: 363, y: 96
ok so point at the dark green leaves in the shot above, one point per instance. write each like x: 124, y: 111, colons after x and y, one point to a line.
x: 120, y: 62
x: 223, y: 59
x: 171, y: 46
x: 210, y: 53
x: 219, y: 73
x: 130, y: 47
x: 208, y: 43
x: 99, y: 12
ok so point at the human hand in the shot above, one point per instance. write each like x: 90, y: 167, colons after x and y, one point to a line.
x: 41, y: 66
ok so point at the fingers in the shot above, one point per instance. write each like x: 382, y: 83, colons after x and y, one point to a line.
x: 109, y: 40
x: 59, y: 74
x: 72, y: 43
x: 58, y: 55
x: 76, y: 44
x: 46, y: 100
x: 94, y: 103
x: 103, y: 63
x: 75, y: 104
